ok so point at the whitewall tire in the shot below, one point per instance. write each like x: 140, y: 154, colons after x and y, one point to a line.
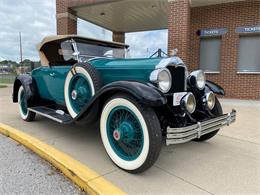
x: 81, y: 84
x: 122, y: 121
x: 25, y: 114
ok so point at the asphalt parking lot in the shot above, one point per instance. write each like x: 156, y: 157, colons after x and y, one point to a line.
x: 227, y: 164
x: 23, y: 172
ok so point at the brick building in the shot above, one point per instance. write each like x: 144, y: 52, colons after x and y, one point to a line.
x: 221, y: 37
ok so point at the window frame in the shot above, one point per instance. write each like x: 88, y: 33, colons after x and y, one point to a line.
x: 238, y: 52
x: 220, y: 52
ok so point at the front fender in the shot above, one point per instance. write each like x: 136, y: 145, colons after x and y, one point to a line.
x: 144, y: 92
x: 215, y: 88
x: 27, y: 82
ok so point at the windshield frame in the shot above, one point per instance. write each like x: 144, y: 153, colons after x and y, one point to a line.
x: 77, y: 54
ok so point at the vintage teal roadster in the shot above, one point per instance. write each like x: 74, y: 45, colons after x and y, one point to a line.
x: 136, y: 101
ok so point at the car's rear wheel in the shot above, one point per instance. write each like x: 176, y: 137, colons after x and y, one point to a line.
x: 23, y: 108
x: 81, y: 83
x: 131, y: 133
x: 216, y: 111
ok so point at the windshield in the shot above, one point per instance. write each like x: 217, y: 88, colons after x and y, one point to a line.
x: 90, y: 50
x: 100, y: 51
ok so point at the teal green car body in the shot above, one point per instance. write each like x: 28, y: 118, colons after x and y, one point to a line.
x: 135, y: 101
x: 52, y: 87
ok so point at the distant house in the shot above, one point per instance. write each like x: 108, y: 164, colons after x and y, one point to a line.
x: 6, y: 68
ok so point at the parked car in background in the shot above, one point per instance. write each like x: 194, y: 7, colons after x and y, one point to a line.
x: 136, y: 101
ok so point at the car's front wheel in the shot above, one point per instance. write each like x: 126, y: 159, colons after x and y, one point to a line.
x: 131, y: 133
x: 23, y: 109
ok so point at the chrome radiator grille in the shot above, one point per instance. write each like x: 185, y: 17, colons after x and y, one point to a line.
x: 178, y: 79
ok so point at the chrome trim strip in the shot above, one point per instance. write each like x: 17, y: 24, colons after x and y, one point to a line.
x: 174, y: 61
x: 185, y: 134
x: 45, y: 115
x: 75, y: 48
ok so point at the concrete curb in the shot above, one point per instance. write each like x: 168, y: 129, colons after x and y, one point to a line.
x: 87, y: 179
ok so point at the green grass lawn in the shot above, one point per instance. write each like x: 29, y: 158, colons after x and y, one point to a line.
x: 7, y: 81
x: 7, y: 78
x: 3, y: 86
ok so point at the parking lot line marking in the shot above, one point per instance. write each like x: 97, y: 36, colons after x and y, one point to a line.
x: 83, y: 176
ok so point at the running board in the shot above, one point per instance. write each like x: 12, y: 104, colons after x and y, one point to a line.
x: 56, y: 115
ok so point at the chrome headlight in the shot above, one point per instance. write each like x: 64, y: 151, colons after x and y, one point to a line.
x: 198, y: 79
x: 188, y: 102
x: 210, y: 100
x: 162, y: 77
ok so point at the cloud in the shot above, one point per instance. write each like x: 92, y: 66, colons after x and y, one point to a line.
x: 36, y: 19
x: 144, y: 44
x: 91, y: 30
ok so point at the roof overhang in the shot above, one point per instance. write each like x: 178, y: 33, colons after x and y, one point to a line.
x: 132, y: 15
x: 126, y: 15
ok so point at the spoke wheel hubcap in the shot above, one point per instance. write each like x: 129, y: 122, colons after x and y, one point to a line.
x: 74, y: 94
x: 116, y: 135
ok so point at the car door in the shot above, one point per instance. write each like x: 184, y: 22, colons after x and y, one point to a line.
x: 50, y: 81
x: 42, y: 79
x: 55, y: 79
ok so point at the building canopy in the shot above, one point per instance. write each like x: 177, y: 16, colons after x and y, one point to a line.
x: 131, y: 15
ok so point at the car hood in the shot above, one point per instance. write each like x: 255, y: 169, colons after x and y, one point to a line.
x: 137, y: 63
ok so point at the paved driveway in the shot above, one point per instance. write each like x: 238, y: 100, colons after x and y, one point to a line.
x: 229, y: 163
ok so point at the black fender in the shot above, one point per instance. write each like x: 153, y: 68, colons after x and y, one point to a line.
x: 146, y: 93
x: 215, y: 88
x: 26, y: 81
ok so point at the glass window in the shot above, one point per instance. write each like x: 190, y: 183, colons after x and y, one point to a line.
x: 249, y: 54
x: 100, y: 51
x: 66, y: 50
x: 210, y: 54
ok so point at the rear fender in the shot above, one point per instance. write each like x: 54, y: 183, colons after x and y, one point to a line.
x: 27, y: 82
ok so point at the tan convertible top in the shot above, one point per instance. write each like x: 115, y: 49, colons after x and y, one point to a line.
x: 62, y: 37
x: 59, y: 38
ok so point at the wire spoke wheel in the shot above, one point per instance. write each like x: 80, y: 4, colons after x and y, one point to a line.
x: 130, y: 132
x: 80, y: 91
x: 23, y: 102
x: 23, y: 106
x: 81, y: 83
x: 125, y: 133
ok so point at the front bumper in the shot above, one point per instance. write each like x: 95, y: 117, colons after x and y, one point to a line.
x: 188, y: 133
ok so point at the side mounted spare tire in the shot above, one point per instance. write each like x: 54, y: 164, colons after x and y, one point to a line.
x: 82, y: 82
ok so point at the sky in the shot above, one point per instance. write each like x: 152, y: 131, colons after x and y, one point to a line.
x: 36, y: 19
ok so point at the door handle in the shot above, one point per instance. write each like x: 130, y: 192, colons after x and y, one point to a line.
x: 52, y: 74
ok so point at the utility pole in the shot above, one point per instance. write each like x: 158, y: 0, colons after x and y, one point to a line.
x: 21, y: 51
